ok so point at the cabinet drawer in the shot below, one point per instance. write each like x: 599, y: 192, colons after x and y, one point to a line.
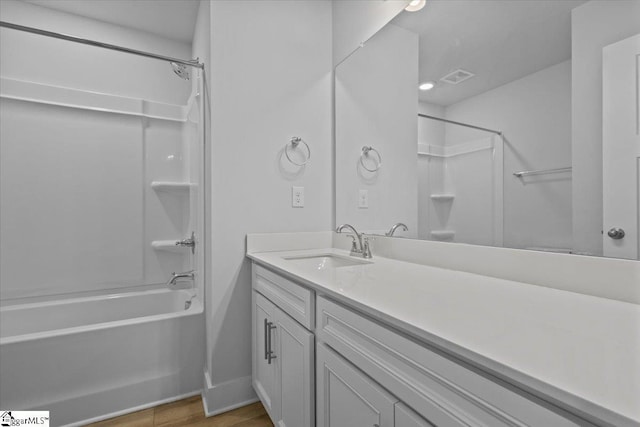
x: 439, y: 389
x: 295, y: 300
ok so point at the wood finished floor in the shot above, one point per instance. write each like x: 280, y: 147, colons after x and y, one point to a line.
x: 190, y: 412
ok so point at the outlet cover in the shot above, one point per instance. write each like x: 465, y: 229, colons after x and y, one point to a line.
x: 297, y: 197
x: 363, y: 199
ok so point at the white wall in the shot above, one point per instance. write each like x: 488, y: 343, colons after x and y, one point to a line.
x: 271, y: 78
x: 355, y: 21
x: 59, y: 62
x: 595, y: 25
x: 376, y: 102
x: 430, y: 131
x: 535, y: 115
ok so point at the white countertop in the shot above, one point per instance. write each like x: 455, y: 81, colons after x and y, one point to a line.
x: 581, y: 351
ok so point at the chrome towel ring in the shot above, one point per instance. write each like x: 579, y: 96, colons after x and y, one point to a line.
x: 295, y: 141
x: 365, y: 153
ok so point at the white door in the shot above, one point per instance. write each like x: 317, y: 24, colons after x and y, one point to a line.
x: 264, y: 368
x: 294, y: 350
x: 348, y: 398
x: 621, y: 147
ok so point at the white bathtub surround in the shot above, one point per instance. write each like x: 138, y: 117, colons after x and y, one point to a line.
x: 87, y: 359
x: 578, y: 351
x: 134, y: 143
x: 97, y: 164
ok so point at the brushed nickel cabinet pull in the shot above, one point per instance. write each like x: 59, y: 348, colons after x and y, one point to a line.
x: 270, y: 355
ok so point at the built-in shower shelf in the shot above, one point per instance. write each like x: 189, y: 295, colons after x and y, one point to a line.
x: 171, y: 185
x: 444, y: 197
x: 168, y: 245
x: 443, y: 234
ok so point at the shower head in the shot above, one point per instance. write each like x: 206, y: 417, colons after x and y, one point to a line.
x: 180, y: 70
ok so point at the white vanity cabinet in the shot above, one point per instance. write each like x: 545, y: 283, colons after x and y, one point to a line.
x: 283, y: 353
x: 370, y: 374
x: 264, y: 373
x: 347, y: 397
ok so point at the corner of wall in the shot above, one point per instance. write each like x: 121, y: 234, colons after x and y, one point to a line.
x: 354, y: 22
x: 226, y: 396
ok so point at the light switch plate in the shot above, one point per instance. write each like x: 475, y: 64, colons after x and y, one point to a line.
x: 363, y: 199
x: 297, y: 197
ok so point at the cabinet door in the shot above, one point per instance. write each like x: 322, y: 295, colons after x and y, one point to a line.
x: 346, y: 397
x: 294, y: 352
x: 405, y: 417
x: 265, y: 374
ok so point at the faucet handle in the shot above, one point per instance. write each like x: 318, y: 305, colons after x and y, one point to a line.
x: 366, y: 247
x: 189, y: 242
x: 354, y: 245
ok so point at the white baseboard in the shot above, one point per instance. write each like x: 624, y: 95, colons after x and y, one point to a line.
x: 134, y: 409
x: 228, y: 395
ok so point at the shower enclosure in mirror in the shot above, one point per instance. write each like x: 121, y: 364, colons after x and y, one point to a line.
x: 501, y: 123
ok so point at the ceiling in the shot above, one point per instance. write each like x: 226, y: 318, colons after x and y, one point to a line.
x: 499, y: 41
x: 173, y: 19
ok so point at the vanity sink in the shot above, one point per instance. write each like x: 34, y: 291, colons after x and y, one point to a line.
x: 325, y: 261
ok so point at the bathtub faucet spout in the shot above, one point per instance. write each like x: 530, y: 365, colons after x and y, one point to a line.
x: 179, y: 277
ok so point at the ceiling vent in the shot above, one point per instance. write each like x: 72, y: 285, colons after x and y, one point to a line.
x: 457, y: 76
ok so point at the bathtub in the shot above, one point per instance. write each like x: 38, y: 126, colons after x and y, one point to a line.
x: 87, y: 359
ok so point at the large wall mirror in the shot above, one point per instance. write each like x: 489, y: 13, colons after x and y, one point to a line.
x: 508, y: 123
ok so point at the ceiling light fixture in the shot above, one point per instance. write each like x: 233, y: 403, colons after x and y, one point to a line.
x: 415, y: 5
x: 427, y: 86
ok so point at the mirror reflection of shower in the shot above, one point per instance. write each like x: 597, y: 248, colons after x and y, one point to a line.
x: 559, y: 110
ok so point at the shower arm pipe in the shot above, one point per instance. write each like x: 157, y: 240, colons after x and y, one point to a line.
x: 190, y: 62
x: 497, y: 132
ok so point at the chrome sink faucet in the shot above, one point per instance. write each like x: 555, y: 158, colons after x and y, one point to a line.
x: 395, y: 227
x: 178, y: 277
x: 360, y: 245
